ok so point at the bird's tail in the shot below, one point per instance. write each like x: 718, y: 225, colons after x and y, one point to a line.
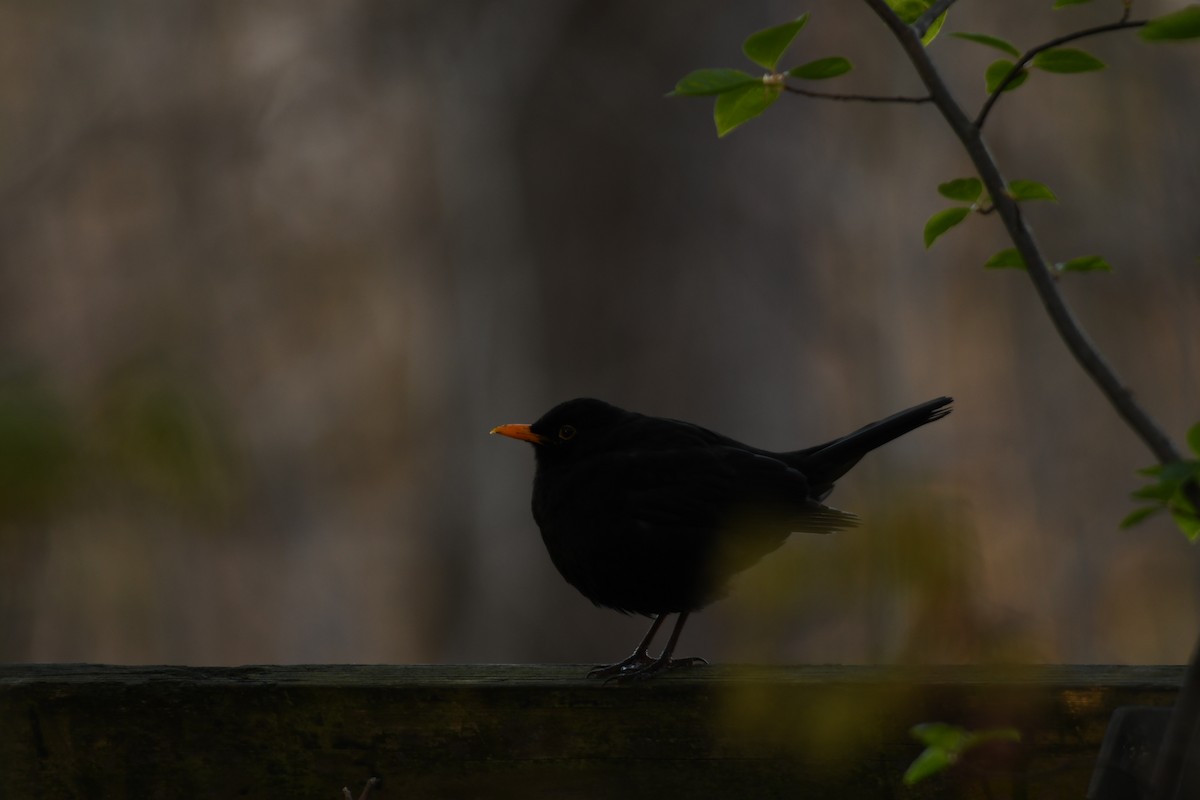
x: 825, y: 463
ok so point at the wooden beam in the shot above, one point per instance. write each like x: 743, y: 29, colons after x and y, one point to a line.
x: 86, y: 731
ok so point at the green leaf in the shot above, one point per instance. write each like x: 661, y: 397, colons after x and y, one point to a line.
x: 943, y: 221
x: 934, y: 29
x: 712, y: 81
x: 1006, y: 259
x: 998, y: 71
x: 1065, y: 3
x: 990, y: 41
x: 946, y: 743
x: 1193, y: 438
x: 1066, y: 59
x: 821, y: 68
x: 766, y: 47
x: 1138, y: 516
x: 742, y: 105
x: 1030, y: 190
x: 931, y: 761
x: 939, y: 734
x: 1179, y: 471
x: 1158, y: 492
x: 1189, y: 524
x: 1085, y: 264
x: 966, y: 190
x: 1174, y: 27
x: 909, y: 11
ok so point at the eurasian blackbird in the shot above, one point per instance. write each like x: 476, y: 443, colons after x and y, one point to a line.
x: 653, y: 516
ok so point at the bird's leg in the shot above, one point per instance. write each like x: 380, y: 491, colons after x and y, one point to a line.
x: 638, y: 661
x: 664, y: 662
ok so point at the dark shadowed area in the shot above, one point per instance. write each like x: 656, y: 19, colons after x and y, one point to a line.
x: 269, y: 272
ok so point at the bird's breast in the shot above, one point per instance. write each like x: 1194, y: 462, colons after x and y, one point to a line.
x: 618, y: 554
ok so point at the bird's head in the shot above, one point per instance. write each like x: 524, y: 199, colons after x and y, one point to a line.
x: 567, y: 428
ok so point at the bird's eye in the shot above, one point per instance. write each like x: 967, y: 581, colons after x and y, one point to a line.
x: 566, y: 432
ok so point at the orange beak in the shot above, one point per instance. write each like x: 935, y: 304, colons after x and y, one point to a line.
x: 518, y: 431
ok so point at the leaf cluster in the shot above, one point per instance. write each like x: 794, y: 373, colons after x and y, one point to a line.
x: 1166, y: 491
x: 1004, y: 75
x: 969, y: 191
x: 741, y: 96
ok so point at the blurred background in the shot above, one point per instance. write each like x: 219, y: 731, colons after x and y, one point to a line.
x: 269, y: 272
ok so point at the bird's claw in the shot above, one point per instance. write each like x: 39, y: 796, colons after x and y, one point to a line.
x: 635, y: 663
x: 643, y: 669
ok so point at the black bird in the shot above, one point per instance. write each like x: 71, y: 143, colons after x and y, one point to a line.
x: 653, y: 516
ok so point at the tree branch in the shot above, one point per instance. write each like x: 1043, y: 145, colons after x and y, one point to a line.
x: 1175, y: 744
x: 1031, y: 54
x: 1064, y: 321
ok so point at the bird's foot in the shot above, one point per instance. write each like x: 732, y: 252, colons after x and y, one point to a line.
x: 635, y: 663
x: 654, y: 666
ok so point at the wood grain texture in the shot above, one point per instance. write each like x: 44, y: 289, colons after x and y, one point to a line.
x: 89, y: 731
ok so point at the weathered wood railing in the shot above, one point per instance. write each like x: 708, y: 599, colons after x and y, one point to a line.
x: 85, y: 731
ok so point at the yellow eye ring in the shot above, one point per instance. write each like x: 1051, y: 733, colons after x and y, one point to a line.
x: 566, y: 432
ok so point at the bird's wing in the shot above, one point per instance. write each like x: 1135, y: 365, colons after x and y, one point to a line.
x: 710, y: 487
x: 721, y: 507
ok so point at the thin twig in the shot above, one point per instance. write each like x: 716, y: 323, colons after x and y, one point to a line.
x: 1031, y: 54
x: 923, y: 23
x: 863, y: 98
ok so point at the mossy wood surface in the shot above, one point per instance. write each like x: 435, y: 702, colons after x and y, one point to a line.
x: 291, y: 732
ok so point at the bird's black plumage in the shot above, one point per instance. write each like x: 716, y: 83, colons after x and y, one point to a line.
x: 653, y: 516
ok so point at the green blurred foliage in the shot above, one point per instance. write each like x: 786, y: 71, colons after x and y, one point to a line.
x: 146, y: 435
x: 38, y: 448
x: 157, y: 436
